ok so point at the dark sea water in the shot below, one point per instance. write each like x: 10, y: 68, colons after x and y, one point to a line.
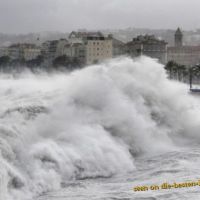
x: 174, y: 167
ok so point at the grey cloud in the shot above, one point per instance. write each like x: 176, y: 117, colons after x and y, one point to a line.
x: 18, y: 16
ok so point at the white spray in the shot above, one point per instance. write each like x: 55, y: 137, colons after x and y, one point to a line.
x: 89, y: 123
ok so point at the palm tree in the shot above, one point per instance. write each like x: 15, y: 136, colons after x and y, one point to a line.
x: 181, y: 71
x: 171, y: 67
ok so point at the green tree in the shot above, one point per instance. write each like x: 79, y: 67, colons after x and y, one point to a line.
x: 35, y: 62
x: 171, y: 67
x: 4, y: 60
x: 176, y: 71
x: 61, y: 61
x: 65, y: 61
x: 180, y: 72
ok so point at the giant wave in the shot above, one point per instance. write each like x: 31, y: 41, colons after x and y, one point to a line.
x: 89, y: 123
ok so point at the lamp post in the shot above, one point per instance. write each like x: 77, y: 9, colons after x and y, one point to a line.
x: 190, y: 77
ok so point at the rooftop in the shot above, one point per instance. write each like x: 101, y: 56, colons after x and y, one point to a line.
x: 87, y: 35
x: 178, y: 31
x: 144, y: 39
x: 22, y: 45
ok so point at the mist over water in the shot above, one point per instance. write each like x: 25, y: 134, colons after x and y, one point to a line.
x: 90, y: 123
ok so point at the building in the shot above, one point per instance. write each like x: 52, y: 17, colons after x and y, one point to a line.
x: 148, y: 45
x: 54, y: 48
x: 181, y: 54
x: 23, y: 51
x: 75, y: 51
x: 98, y: 48
x: 31, y: 53
x: 77, y: 37
x: 185, y: 55
x: 60, y: 47
x: 178, y: 38
x: 14, y: 52
x: 3, y: 51
x: 119, y: 47
x: 92, y: 47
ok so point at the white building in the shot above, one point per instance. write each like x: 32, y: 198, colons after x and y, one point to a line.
x: 22, y: 51
x: 31, y: 53
x: 54, y: 48
x: 3, y: 51
x: 92, y: 47
x: 75, y: 51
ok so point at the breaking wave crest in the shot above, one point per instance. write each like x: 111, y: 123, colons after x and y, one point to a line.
x: 89, y: 123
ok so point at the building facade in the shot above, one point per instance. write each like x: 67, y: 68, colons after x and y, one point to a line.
x: 3, y: 51
x: 54, y: 48
x: 119, y: 47
x: 181, y: 54
x: 148, y: 45
x: 75, y: 51
x: 92, y: 47
x: 31, y: 53
x: 23, y: 51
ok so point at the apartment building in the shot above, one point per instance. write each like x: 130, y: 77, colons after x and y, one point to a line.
x: 148, y: 45
x: 22, y: 51
x: 93, y: 47
x: 54, y: 48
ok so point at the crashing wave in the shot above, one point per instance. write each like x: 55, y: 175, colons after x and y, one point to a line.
x: 94, y: 122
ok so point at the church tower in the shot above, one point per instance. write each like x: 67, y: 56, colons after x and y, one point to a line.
x: 178, y: 38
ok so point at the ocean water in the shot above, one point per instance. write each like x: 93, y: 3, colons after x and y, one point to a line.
x: 97, y: 133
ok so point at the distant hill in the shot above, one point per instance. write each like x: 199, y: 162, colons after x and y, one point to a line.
x: 190, y: 37
x: 7, y: 39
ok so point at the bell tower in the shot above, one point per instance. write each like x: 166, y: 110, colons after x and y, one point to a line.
x: 178, y: 38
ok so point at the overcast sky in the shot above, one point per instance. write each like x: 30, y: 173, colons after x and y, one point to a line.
x: 22, y: 16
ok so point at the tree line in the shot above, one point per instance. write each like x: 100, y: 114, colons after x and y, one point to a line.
x: 61, y: 62
x: 182, y: 73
